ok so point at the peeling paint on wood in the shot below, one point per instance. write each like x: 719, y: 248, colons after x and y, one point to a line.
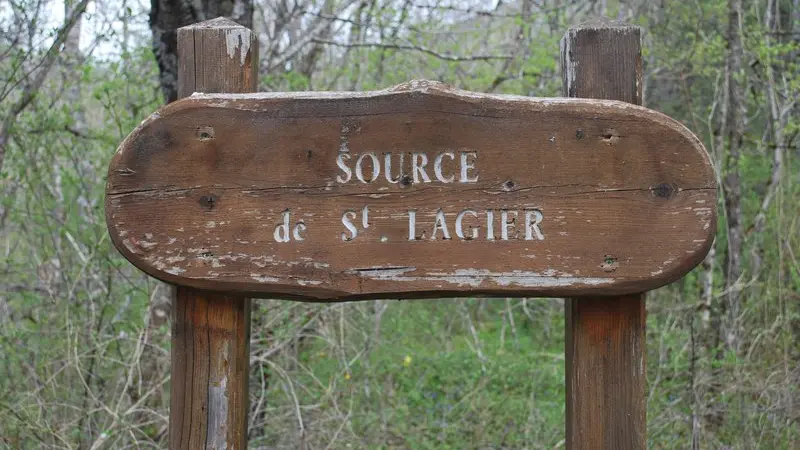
x: 237, y: 41
x: 218, y: 403
x: 210, y: 357
x: 475, y: 278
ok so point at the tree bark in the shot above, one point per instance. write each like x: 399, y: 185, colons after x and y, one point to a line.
x: 166, y: 16
x: 734, y: 126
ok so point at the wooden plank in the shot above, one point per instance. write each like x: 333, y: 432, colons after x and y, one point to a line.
x: 211, y: 331
x: 210, y: 361
x: 601, y: 197
x: 217, y: 55
x: 605, y: 336
x: 598, y: 62
x: 605, y: 363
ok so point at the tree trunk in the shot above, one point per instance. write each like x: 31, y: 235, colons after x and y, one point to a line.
x: 34, y: 80
x: 166, y: 16
x: 735, y: 125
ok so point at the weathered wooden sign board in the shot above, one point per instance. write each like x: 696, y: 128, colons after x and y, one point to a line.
x: 417, y: 191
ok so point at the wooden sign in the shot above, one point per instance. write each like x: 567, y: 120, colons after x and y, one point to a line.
x: 416, y: 191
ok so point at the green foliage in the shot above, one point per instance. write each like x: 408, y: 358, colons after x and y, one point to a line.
x: 427, y: 388
x: 73, y: 319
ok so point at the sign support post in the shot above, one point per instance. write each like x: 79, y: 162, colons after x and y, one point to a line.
x: 211, y: 331
x: 605, y: 336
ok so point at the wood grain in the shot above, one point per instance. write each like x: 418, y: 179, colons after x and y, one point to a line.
x: 211, y: 330
x: 605, y: 336
x: 606, y: 377
x: 626, y: 194
x: 217, y: 55
x: 210, y: 363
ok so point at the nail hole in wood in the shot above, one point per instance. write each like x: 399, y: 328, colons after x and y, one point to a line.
x: 205, y: 133
x: 610, y: 136
x: 610, y: 263
x: 208, y: 201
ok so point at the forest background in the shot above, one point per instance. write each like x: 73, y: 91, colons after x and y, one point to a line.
x: 84, y: 337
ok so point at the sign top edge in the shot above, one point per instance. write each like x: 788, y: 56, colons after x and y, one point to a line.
x: 426, y: 87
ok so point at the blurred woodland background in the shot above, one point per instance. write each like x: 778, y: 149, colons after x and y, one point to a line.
x: 84, y: 337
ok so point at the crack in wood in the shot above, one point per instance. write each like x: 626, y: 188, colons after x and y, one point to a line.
x: 421, y: 190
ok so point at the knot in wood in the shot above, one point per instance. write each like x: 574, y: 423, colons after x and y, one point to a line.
x: 664, y: 190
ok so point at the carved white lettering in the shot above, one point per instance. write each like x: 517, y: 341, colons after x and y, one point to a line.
x: 418, y: 162
x: 346, y: 221
x: 440, y: 224
x: 376, y: 168
x: 466, y: 166
x: 368, y: 167
x: 365, y: 217
x: 506, y: 224
x: 468, y: 223
x: 282, y: 230
x: 299, y: 228
x: 489, y: 224
x: 412, y: 225
x: 387, y: 167
x: 437, y: 167
x: 533, y: 217
x: 474, y: 231
x: 342, y: 165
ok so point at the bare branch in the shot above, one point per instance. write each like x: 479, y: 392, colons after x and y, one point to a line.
x: 32, y: 87
x: 445, y: 57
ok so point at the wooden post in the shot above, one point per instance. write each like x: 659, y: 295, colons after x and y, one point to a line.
x: 605, y: 337
x: 211, y: 331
